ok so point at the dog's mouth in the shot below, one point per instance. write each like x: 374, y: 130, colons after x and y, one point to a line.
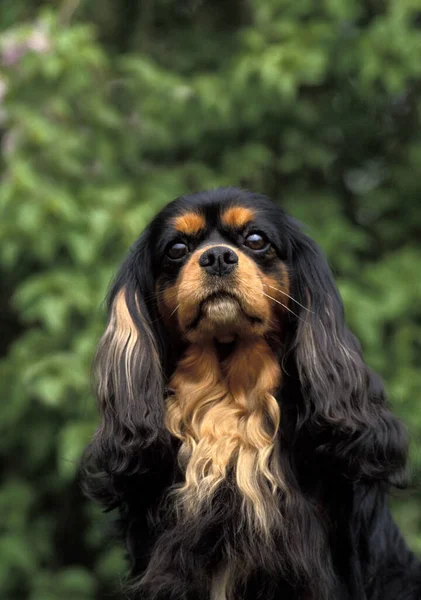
x: 225, y: 312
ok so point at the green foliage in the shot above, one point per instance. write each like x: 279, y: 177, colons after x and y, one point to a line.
x: 108, y: 113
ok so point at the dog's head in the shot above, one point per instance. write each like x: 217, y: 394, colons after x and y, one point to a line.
x: 222, y: 268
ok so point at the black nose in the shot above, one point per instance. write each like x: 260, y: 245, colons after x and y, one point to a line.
x: 218, y: 260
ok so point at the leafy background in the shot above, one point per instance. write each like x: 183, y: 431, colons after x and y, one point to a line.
x: 110, y: 109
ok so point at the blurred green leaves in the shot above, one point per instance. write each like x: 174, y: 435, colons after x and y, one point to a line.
x: 108, y: 114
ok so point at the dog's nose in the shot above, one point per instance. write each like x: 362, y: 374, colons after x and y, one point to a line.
x: 218, y: 260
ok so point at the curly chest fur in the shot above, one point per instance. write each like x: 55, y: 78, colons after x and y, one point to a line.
x: 227, y: 420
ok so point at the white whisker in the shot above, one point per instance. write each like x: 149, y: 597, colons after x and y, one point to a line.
x: 290, y: 297
x: 284, y: 306
x: 175, y: 310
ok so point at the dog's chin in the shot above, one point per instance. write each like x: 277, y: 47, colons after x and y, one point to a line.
x: 222, y: 318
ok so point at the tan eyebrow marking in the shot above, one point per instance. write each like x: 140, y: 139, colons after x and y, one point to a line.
x: 237, y: 216
x: 190, y: 223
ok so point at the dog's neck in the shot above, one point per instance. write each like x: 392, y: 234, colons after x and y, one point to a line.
x: 224, y: 412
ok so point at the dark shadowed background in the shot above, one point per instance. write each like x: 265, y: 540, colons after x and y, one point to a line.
x: 108, y: 110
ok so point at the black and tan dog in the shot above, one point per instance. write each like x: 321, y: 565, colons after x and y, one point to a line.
x: 245, y: 442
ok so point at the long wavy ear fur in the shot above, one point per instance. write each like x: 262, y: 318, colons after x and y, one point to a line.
x: 129, y: 380
x: 344, y: 402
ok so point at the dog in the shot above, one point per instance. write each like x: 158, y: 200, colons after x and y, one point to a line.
x: 246, y: 444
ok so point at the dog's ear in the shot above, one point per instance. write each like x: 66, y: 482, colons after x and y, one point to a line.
x: 344, y: 402
x: 128, y: 372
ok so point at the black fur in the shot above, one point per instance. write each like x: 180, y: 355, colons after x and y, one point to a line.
x: 340, y: 447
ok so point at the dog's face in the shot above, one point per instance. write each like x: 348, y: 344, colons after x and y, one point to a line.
x: 221, y: 273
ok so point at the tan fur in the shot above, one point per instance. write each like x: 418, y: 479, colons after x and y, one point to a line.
x: 180, y: 303
x: 190, y: 223
x: 120, y: 339
x: 220, y: 583
x: 227, y: 419
x: 237, y: 217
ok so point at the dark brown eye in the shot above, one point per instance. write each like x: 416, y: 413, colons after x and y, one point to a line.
x: 177, y: 250
x: 255, y: 241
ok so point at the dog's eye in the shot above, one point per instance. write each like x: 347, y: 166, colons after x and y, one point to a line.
x: 177, y: 250
x: 256, y: 241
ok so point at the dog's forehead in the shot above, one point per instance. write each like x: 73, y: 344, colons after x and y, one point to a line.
x: 198, y: 218
x: 226, y: 211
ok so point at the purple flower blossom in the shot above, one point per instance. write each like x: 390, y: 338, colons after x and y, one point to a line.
x: 14, y: 49
x: 12, y: 52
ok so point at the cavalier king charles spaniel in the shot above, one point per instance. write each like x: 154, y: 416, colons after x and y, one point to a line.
x: 248, y: 447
